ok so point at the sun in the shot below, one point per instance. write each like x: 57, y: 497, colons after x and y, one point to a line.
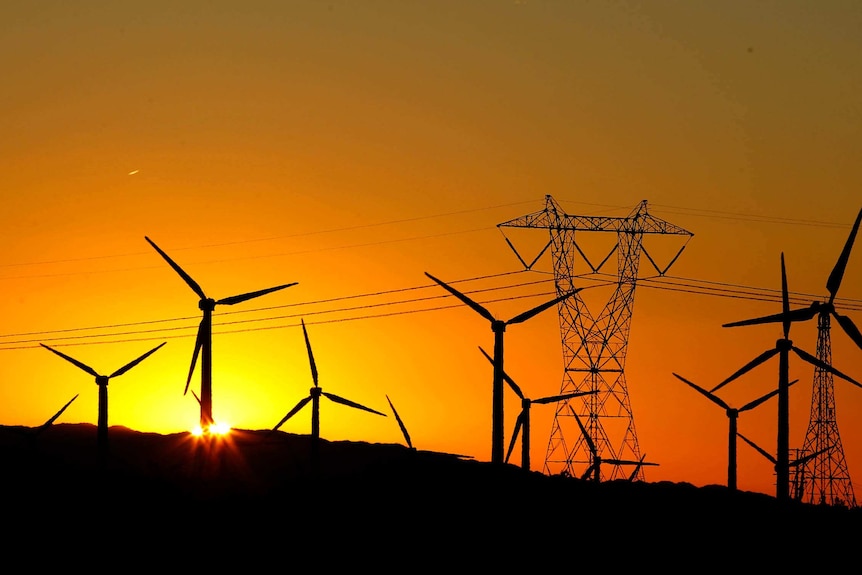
x: 216, y: 429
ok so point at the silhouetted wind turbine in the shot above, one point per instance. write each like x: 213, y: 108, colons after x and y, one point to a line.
x: 732, y: 415
x: 499, y: 328
x: 523, y: 420
x: 102, y: 382
x: 400, y: 424
x: 782, y: 348
x: 820, y: 307
x: 203, y: 344
x: 314, y: 398
x: 775, y: 462
x: 595, y: 466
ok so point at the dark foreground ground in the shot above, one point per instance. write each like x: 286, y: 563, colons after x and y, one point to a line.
x: 257, y: 502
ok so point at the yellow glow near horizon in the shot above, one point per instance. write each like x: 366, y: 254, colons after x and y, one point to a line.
x: 217, y: 428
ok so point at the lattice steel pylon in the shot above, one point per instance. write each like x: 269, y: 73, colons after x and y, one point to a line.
x: 595, y: 346
x: 824, y: 479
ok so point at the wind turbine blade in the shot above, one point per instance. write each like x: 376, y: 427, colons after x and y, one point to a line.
x: 715, y: 399
x: 310, y: 354
x: 293, y: 411
x: 834, y: 281
x: 539, y: 309
x: 627, y: 462
x: 349, y: 403
x: 56, y: 415
x: 762, y: 398
x: 849, y: 328
x: 400, y: 424
x: 83, y: 366
x: 637, y: 468
x: 750, y: 365
x: 132, y: 364
x: 587, y: 437
x: 823, y: 365
x: 759, y: 450
x: 506, y: 377
x: 518, y: 423
x: 478, y: 308
x: 196, y: 396
x: 785, y: 299
x: 806, y: 458
x: 554, y: 398
x: 199, y: 342
x: 186, y: 277
x: 588, y: 471
x: 801, y: 314
x: 251, y: 295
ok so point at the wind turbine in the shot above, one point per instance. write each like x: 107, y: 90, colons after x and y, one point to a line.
x: 782, y: 348
x: 523, y: 420
x: 791, y: 463
x: 732, y: 415
x: 102, y: 382
x: 822, y: 308
x: 499, y: 328
x: 314, y: 398
x: 595, y: 466
x: 203, y: 344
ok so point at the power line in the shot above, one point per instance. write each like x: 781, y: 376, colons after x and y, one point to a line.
x: 674, y: 284
x: 273, y: 238
x: 267, y: 308
x: 698, y: 212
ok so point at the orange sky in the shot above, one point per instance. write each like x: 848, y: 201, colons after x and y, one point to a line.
x: 351, y: 147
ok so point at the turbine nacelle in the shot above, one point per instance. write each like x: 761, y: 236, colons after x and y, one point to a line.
x: 207, y: 304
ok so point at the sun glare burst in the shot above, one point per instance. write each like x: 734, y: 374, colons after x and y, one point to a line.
x: 219, y: 429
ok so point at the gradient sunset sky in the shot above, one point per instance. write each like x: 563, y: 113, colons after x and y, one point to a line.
x: 354, y: 146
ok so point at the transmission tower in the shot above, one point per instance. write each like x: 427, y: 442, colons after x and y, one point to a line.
x: 594, y: 346
x: 824, y: 478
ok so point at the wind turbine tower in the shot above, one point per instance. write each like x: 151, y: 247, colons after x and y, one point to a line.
x: 595, y: 345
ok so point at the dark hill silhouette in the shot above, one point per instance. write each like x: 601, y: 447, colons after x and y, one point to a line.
x: 255, y: 496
